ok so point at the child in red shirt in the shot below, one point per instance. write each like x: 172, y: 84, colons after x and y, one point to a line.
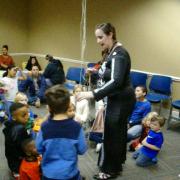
x: 30, y: 165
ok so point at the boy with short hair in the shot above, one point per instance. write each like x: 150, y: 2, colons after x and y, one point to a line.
x: 22, y: 98
x: 146, y: 155
x: 15, y: 133
x: 30, y: 165
x: 141, y: 109
x: 60, y: 139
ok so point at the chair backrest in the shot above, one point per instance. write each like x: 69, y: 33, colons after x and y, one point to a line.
x: 138, y: 79
x: 76, y: 74
x: 161, y: 84
x: 90, y: 65
x: 24, y: 65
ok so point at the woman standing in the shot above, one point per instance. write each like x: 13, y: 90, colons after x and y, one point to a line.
x: 119, y: 97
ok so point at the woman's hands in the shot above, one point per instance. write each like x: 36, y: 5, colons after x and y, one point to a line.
x: 84, y: 95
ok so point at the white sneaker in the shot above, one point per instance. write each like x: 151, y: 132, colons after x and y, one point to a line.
x: 98, y: 147
x: 37, y: 103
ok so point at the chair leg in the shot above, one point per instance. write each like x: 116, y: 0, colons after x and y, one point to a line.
x: 160, y: 106
x: 169, y: 118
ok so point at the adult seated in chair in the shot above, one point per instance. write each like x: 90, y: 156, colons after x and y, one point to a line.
x: 34, y: 86
x: 141, y: 109
x: 5, y: 59
x: 54, y: 72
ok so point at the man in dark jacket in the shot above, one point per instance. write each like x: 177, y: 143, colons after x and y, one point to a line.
x: 54, y: 72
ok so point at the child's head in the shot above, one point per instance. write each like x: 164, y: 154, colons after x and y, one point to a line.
x: 157, y: 122
x: 71, y: 111
x: 29, y: 148
x: 147, y: 119
x: 77, y: 88
x: 58, y: 99
x: 21, y: 98
x: 140, y: 92
x: 19, y: 113
x: 11, y: 71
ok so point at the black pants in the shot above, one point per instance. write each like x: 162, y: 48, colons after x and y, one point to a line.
x: 113, y: 153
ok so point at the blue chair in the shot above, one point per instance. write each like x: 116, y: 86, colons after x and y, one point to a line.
x: 160, y: 89
x: 91, y: 65
x: 75, y: 74
x: 138, y: 79
x: 175, y: 105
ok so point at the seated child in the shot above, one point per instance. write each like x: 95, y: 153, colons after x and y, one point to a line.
x: 60, y: 139
x: 15, y: 133
x: 71, y: 111
x: 10, y: 81
x: 136, y: 144
x: 141, y: 109
x: 82, y: 107
x: 30, y: 165
x: 151, y: 145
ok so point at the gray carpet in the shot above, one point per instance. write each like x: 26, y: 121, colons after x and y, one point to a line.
x: 168, y: 167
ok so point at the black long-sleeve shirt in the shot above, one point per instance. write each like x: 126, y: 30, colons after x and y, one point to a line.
x: 54, y: 71
x: 15, y: 134
x: 116, y: 74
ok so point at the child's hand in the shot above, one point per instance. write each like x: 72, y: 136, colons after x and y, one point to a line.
x: 144, y: 142
x: 3, y: 89
x: 138, y: 146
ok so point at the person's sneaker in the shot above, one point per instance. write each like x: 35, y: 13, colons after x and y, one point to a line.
x: 131, y: 149
x: 37, y: 103
x: 83, y: 178
x: 98, y: 147
x: 15, y: 176
x: 155, y: 160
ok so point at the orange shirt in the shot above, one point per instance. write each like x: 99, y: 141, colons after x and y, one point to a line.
x: 30, y: 170
x: 7, y: 60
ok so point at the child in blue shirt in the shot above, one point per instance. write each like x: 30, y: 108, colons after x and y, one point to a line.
x: 141, y: 109
x: 146, y: 155
x: 60, y: 139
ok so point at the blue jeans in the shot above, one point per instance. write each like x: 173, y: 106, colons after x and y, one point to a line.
x: 96, y: 137
x: 49, y: 83
x: 143, y: 160
x: 76, y: 177
x: 134, y: 132
x: 7, y: 106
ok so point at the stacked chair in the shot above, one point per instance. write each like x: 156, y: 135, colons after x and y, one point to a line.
x: 174, y: 105
x: 75, y: 75
x: 160, y: 90
x: 138, y: 79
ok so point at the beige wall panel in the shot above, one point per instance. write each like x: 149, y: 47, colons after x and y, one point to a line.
x: 13, y: 24
x: 55, y: 27
x: 148, y: 29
